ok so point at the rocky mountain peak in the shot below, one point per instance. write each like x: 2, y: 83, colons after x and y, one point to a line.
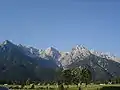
x: 6, y: 45
x: 80, y: 50
x: 51, y: 49
x: 7, y: 42
x: 80, y: 47
x: 53, y: 52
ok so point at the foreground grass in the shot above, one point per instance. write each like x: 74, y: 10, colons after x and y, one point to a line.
x: 71, y: 87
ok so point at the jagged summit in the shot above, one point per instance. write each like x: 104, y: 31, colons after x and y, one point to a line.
x: 77, y: 53
x: 7, y: 45
x: 6, y: 42
x: 51, y: 49
x: 53, y: 52
x: 80, y: 46
x: 80, y: 50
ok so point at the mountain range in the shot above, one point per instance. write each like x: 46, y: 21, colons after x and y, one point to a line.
x: 18, y: 62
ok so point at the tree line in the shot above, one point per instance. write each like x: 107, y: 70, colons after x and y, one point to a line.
x: 67, y: 76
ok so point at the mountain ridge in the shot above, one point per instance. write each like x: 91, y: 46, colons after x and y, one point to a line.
x: 102, y: 65
x: 77, y: 46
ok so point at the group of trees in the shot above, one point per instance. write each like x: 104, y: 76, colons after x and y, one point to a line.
x: 67, y: 76
x: 115, y: 80
x: 75, y: 76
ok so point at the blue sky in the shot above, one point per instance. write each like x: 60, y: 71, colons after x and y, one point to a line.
x: 62, y: 23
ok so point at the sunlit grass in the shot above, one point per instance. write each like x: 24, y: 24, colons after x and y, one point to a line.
x: 55, y: 87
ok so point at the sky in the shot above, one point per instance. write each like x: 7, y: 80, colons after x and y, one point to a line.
x: 62, y: 23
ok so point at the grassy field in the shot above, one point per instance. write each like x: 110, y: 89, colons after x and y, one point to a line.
x: 71, y: 87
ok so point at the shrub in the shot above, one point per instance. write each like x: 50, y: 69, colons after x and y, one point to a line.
x: 22, y: 86
x: 14, y: 87
x: 32, y: 86
x: 51, y: 88
x: 61, y: 87
x: 79, y: 88
x: 41, y: 88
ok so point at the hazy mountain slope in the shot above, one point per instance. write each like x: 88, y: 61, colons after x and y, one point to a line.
x: 30, y: 51
x: 16, y: 65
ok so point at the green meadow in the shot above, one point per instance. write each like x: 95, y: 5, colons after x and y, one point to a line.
x: 66, y: 87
